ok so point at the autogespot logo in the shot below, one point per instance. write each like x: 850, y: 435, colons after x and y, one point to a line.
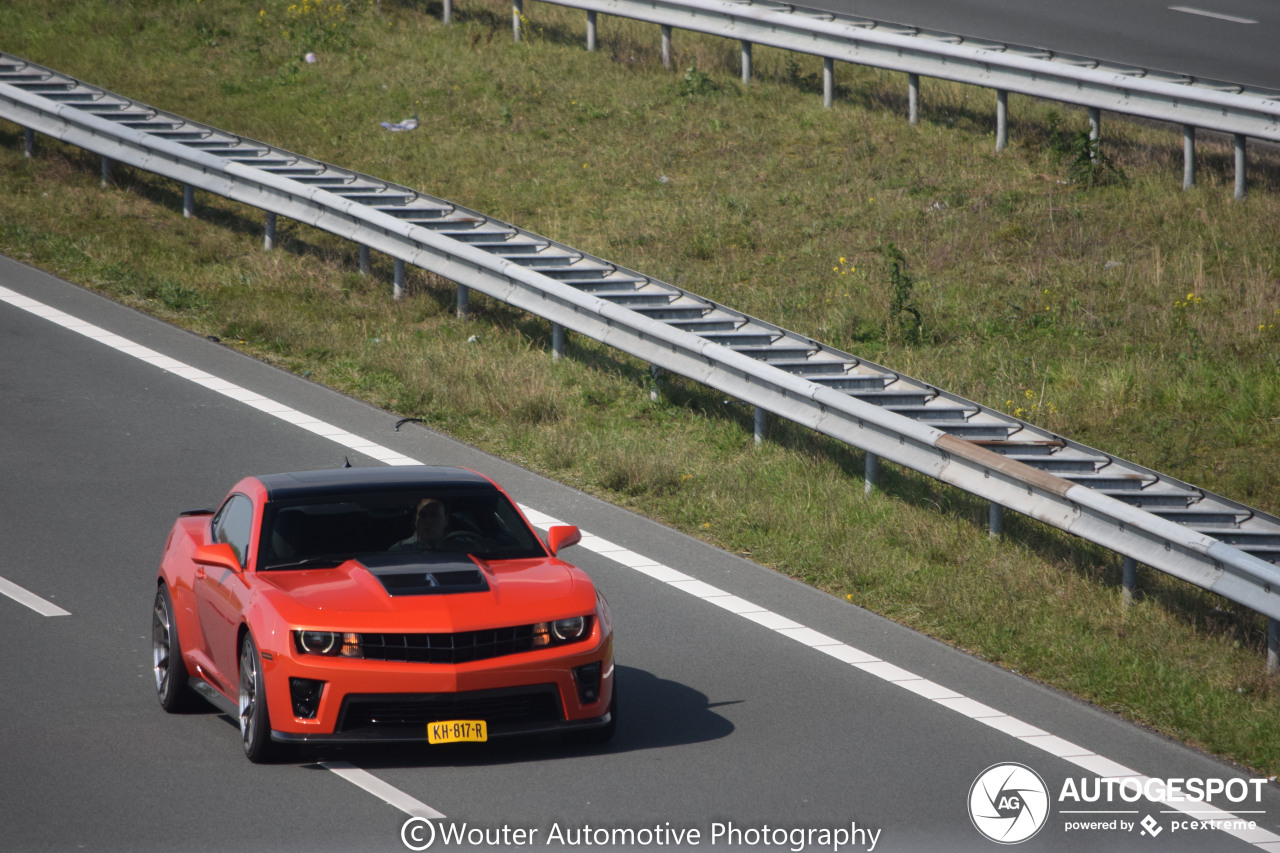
x: 1008, y: 803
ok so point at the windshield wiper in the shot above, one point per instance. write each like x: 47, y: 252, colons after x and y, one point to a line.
x: 309, y: 563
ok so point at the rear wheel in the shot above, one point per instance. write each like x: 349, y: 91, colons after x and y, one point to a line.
x: 255, y: 722
x: 166, y: 655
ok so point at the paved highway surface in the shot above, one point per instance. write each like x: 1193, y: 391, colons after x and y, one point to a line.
x: 1227, y: 40
x: 743, y: 705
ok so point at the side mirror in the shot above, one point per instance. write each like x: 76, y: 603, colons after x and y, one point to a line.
x: 562, y: 536
x: 220, y: 555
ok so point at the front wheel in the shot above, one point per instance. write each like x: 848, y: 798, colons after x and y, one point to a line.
x: 255, y: 722
x: 166, y: 655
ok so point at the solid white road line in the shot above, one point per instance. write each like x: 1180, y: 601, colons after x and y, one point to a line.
x: 213, y: 383
x: 945, y: 697
x: 857, y: 659
x: 30, y: 599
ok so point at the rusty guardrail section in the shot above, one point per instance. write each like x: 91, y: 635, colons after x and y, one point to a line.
x: 1201, y: 538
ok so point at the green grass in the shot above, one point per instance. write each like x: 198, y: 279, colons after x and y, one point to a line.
x: 1063, y: 302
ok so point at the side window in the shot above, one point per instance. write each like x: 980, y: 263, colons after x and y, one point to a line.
x: 233, y: 523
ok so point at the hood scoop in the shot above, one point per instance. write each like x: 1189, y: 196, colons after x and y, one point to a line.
x: 416, y: 575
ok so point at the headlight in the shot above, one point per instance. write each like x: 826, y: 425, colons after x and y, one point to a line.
x: 566, y: 630
x: 328, y: 643
x: 319, y: 642
x: 560, y: 631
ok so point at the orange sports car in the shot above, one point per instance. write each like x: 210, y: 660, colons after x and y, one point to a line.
x: 401, y: 603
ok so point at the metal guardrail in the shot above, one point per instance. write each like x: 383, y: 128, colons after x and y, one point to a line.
x: 1204, y: 539
x: 1221, y: 106
x: 1210, y: 104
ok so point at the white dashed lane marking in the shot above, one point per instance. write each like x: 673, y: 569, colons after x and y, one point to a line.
x: 1018, y: 729
x: 30, y: 599
x: 1217, y: 16
x: 387, y: 793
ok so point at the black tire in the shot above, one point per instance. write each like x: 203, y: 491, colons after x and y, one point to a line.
x: 255, y: 721
x: 603, y: 734
x: 166, y: 656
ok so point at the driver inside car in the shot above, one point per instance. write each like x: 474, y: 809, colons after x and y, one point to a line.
x: 429, y: 523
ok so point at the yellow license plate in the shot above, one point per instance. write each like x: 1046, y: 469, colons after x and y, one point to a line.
x: 457, y: 731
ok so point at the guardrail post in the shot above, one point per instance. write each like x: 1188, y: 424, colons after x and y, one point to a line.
x: 517, y: 13
x: 1002, y: 119
x: 28, y: 143
x: 1128, y: 580
x: 828, y: 81
x: 464, y: 302
x: 362, y: 261
x: 557, y: 341
x: 1095, y: 131
x: 106, y: 170
x: 446, y: 15
x: 1273, y: 646
x: 666, y: 46
x: 1240, y: 167
x: 269, y: 233
x: 746, y: 62
x: 995, y: 520
x: 760, y: 425
x: 591, y: 31
x: 913, y: 99
x: 397, y: 288
x: 188, y: 201
x: 1188, y: 156
x: 654, y: 390
x: 872, y: 475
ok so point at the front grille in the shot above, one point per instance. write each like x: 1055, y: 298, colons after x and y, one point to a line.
x: 407, y: 714
x: 461, y: 647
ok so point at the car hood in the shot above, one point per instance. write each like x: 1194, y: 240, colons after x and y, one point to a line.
x: 455, y: 594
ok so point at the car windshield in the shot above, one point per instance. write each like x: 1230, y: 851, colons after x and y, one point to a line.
x: 326, y: 531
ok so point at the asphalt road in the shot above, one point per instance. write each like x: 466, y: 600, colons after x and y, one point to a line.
x: 1226, y: 40
x: 727, y: 720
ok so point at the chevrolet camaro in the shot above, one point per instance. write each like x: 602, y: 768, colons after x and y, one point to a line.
x: 393, y: 604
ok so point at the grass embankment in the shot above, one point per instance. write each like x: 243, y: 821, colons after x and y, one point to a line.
x: 1119, y: 311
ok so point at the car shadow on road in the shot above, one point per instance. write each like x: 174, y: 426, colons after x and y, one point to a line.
x: 652, y: 712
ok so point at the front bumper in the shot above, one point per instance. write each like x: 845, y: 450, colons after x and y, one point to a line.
x: 368, y: 700
x: 390, y: 717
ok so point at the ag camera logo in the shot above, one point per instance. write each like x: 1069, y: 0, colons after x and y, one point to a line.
x: 1008, y: 803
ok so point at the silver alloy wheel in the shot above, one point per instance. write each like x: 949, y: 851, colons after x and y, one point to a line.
x: 161, y: 625
x: 249, y: 681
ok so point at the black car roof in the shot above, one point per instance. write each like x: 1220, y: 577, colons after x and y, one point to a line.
x: 347, y: 481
